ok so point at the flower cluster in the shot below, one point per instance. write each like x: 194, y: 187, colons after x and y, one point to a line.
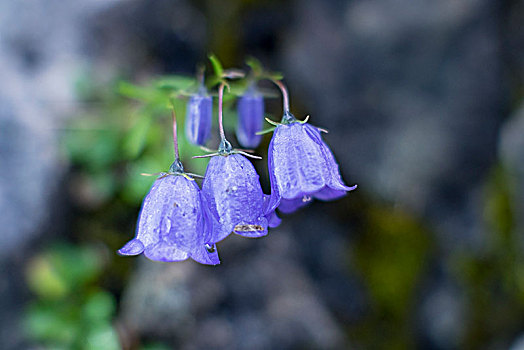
x: 178, y: 220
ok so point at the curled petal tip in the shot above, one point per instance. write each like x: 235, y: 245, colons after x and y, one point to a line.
x: 273, y: 220
x: 206, y: 254
x: 133, y: 247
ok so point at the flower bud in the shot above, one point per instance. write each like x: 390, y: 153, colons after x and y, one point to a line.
x: 250, y: 118
x: 199, y: 117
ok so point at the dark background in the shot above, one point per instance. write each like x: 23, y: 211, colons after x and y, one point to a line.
x: 424, y: 103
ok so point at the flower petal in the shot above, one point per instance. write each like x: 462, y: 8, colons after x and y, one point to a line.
x: 334, y: 179
x: 297, y: 161
x: 250, y: 119
x: 288, y: 206
x: 233, y: 195
x: 327, y: 194
x: 152, y: 224
x: 274, y: 198
x: 165, y: 252
x: 273, y: 219
x: 185, y: 215
x: 171, y: 222
x: 198, y: 122
x: 133, y: 247
x: 205, y: 256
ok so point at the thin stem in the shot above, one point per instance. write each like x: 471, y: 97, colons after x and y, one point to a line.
x: 175, y: 139
x: 220, y: 102
x: 285, y: 95
x: 201, y: 74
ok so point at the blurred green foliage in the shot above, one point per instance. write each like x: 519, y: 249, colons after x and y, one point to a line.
x: 114, y: 144
x: 71, y: 310
x: 493, y: 281
x: 391, y: 254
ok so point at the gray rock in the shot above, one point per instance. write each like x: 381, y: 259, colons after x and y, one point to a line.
x: 39, y: 55
x: 511, y: 150
x: 442, y: 316
x: 260, y: 297
x: 414, y: 92
x: 518, y: 344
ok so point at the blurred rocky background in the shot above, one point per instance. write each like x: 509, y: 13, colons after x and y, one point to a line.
x: 425, y: 104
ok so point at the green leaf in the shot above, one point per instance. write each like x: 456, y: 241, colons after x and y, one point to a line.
x: 175, y: 82
x: 155, y: 346
x: 134, y: 91
x: 135, y: 138
x: 255, y: 66
x: 217, y: 66
x: 102, y: 337
x: 99, y: 307
x: 94, y: 147
x: 76, y: 265
x: 44, y: 280
x: 276, y: 75
x: 50, y: 323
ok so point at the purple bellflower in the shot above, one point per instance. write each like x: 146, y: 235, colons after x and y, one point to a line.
x: 234, y: 198
x: 172, y: 221
x: 232, y: 193
x: 199, y: 112
x: 250, y: 118
x: 301, y: 165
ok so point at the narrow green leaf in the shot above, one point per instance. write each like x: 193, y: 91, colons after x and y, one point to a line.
x: 175, y: 82
x: 132, y: 91
x: 217, y: 66
x: 134, y: 139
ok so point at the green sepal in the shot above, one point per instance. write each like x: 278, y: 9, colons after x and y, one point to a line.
x: 272, y: 122
x: 266, y: 131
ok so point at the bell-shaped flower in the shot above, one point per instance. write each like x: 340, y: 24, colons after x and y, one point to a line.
x: 172, y: 223
x: 250, y: 109
x: 234, y: 198
x: 301, y: 167
x: 199, y: 112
